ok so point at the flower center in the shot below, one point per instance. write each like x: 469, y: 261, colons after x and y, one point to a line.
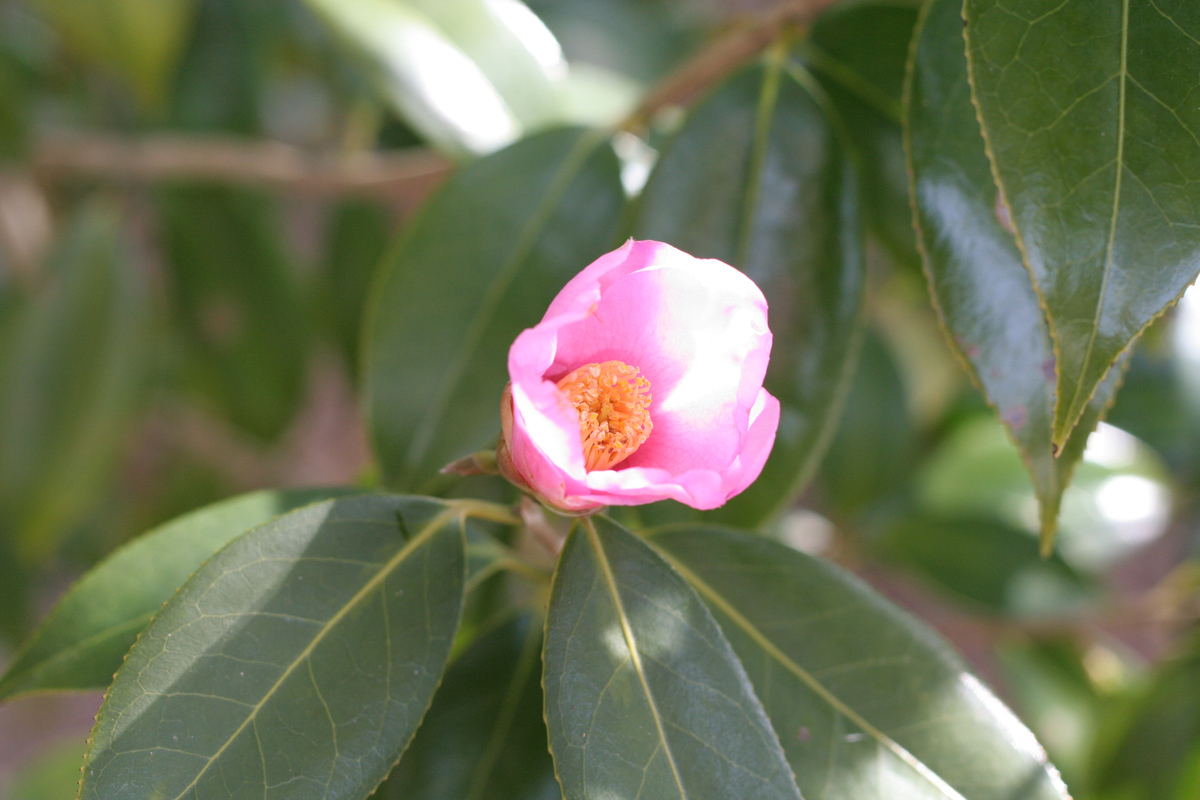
x: 613, y: 402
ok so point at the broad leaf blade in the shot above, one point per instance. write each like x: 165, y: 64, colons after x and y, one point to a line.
x: 297, y: 662
x: 867, y: 701
x: 80, y: 645
x: 484, y: 736
x: 237, y: 300
x: 980, y: 287
x: 759, y: 178
x: 644, y: 698
x: 511, y: 46
x: 75, y: 369
x: 481, y: 263
x: 1089, y: 112
x: 859, y: 50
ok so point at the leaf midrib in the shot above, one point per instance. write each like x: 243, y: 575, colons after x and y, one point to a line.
x: 635, y: 657
x: 417, y: 541
x: 559, y: 184
x: 1075, y: 411
x: 812, y: 683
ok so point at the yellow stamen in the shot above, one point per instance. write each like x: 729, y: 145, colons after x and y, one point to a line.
x: 613, y: 402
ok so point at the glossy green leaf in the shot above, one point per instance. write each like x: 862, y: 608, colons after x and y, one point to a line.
x: 81, y: 643
x: 858, y: 50
x: 139, y: 39
x: 471, y: 76
x: 982, y: 291
x: 482, y: 262
x: 297, y: 662
x: 512, y: 47
x: 759, y: 178
x: 357, y: 239
x: 74, y: 378
x: 867, y: 701
x: 1093, y: 129
x: 235, y: 295
x: 644, y: 697
x: 484, y: 736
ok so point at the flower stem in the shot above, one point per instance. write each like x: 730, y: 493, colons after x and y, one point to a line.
x: 482, y: 509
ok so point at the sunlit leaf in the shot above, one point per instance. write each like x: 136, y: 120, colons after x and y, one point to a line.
x: 81, y: 643
x: 1093, y: 130
x: 867, y: 702
x: 297, y: 662
x: 484, y: 736
x: 482, y: 262
x: 759, y: 178
x: 981, y: 289
x: 471, y: 75
x: 74, y: 376
x: 644, y: 697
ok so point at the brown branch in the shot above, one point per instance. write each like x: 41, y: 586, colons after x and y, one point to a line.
x: 273, y: 164
x: 723, y: 56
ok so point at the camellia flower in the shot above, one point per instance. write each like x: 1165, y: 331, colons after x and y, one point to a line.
x: 642, y: 382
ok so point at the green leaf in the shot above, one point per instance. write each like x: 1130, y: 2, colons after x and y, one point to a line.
x: 484, y: 736
x: 297, y: 662
x: 82, y: 642
x: 139, y: 39
x: 74, y: 378
x: 643, y: 695
x: 980, y: 287
x: 859, y: 50
x: 867, y: 701
x: 357, y: 239
x: 1120, y: 499
x: 875, y: 445
x: 236, y: 298
x: 1093, y: 131
x: 482, y: 262
x: 1151, y: 748
x: 472, y: 76
x: 219, y: 83
x: 990, y: 564
x: 759, y: 178
x: 512, y: 47
x: 1051, y: 688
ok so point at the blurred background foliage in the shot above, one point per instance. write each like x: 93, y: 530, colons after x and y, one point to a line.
x: 195, y: 196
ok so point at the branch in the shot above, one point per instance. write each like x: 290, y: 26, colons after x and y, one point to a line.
x: 723, y: 56
x: 273, y: 164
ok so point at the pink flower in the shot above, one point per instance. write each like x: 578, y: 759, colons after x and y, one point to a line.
x: 642, y: 382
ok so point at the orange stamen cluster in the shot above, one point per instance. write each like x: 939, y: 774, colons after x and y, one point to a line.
x: 613, y: 402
